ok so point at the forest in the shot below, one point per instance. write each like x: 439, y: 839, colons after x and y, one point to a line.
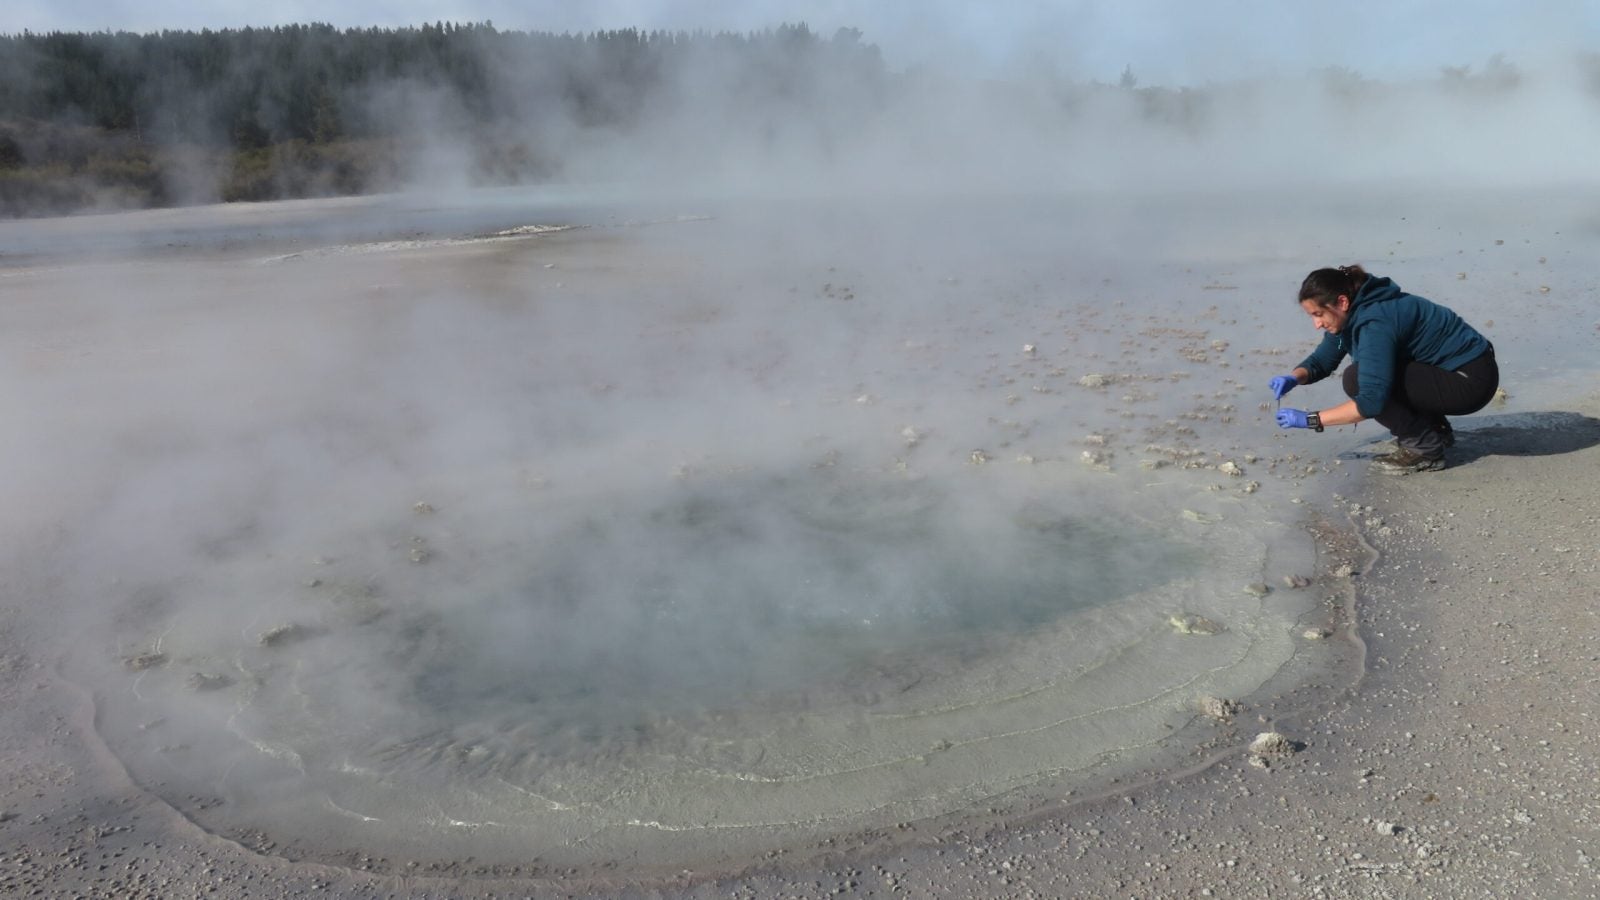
x: 119, y: 120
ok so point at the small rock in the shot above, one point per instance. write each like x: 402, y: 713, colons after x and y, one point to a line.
x: 1250, y: 487
x: 1029, y: 349
x: 1218, y: 707
x: 1316, y: 634
x: 1388, y: 828
x: 911, y: 436
x: 1257, y: 589
x: 1500, y: 395
x: 200, y: 681
x: 1295, y: 581
x: 283, y: 634
x: 978, y: 457
x: 145, y: 661
x: 1231, y: 468
x: 422, y: 508
x: 1189, y: 623
x: 1272, y: 743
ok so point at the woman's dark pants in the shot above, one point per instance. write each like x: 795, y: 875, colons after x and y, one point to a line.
x: 1423, y: 395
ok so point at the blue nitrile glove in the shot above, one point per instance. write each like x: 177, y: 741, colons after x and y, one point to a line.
x: 1283, y: 384
x: 1292, y: 418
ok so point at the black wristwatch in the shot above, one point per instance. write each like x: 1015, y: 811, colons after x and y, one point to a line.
x: 1314, y: 421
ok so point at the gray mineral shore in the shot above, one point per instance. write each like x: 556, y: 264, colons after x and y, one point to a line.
x: 1461, y: 763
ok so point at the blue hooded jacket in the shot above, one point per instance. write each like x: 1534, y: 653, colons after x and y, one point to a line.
x: 1388, y: 328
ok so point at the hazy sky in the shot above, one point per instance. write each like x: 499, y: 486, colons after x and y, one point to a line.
x: 1165, y: 41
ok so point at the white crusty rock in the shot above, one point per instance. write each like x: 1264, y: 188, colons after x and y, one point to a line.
x: 1219, y: 708
x: 1099, y: 380
x: 281, y: 635
x: 203, y: 681
x: 1231, y: 468
x: 1272, y: 743
x: 142, y: 661
x: 1189, y: 623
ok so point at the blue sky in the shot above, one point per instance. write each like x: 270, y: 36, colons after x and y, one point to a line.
x: 1165, y: 41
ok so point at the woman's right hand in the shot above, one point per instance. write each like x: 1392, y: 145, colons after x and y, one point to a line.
x: 1283, y: 384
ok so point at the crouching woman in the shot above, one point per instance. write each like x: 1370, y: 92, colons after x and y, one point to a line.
x: 1414, y: 362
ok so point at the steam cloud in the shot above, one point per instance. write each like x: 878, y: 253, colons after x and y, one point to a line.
x: 228, y: 440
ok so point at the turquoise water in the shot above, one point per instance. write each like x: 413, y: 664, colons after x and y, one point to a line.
x: 760, y: 588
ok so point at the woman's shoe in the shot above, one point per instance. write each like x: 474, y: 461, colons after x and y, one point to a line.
x: 1406, y: 462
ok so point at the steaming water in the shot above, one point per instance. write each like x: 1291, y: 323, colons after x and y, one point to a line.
x: 667, y: 539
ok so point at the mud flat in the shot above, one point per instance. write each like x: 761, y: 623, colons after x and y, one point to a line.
x: 1412, y: 763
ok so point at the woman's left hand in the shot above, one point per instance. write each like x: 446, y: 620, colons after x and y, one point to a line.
x: 1293, y: 418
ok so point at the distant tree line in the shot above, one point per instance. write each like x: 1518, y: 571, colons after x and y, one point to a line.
x: 254, y: 113
x: 115, y: 120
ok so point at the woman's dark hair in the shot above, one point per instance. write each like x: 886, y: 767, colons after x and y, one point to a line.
x: 1325, y: 285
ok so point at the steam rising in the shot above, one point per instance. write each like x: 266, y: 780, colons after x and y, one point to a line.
x: 809, y: 461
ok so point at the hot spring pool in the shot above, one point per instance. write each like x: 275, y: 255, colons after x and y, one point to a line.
x: 727, y: 662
